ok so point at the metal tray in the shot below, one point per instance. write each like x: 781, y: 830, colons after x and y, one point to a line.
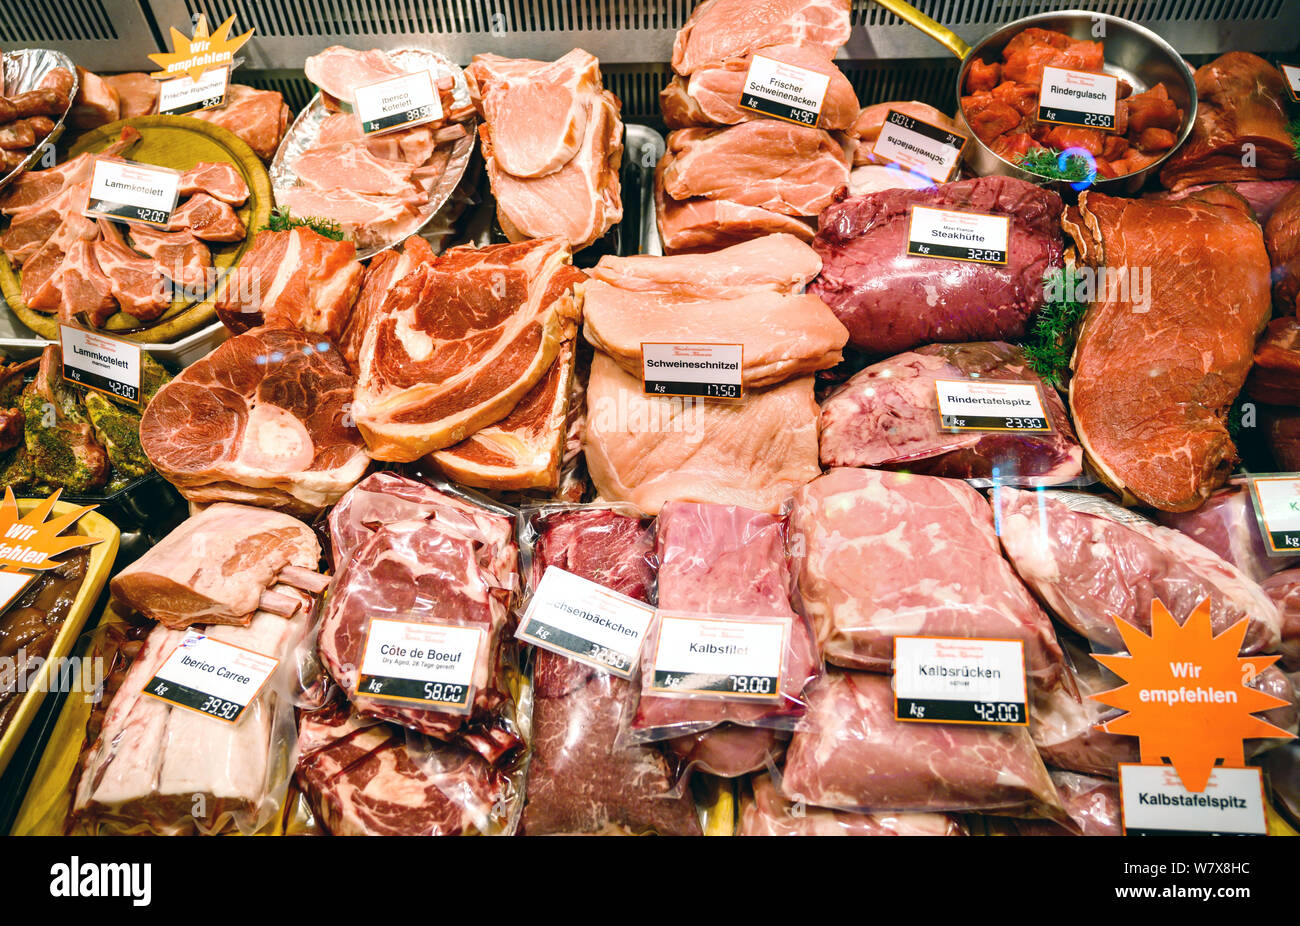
x: 24, y: 68
x: 17, y: 342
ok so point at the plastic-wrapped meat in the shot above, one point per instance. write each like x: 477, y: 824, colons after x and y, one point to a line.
x: 1284, y: 589
x: 853, y: 755
x: 1091, y: 803
x: 764, y: 811
x: 1092, y: 561
x: 439, y: 560
x: 578, y: 782
x: 887, y: 416
x: 362, y: 778
x: 882, y: 554
x: 724, y: 560
x: 1226, y: 524
x: 891, y: 301
x: 729, y: 750
x: 1282, y: 238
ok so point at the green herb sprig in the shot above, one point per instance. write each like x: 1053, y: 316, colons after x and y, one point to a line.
x: 282, y: 220
x: 1050, y: 343
x: 1046, y: 163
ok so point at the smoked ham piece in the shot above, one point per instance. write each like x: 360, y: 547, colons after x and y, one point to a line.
x: 1282, y: 237
x: 1149, y: 408
x: 457, y: 342
x: 264, y: 418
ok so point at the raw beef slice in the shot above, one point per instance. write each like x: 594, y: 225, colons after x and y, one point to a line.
x: 1149, y: 408
x: 1282, y: 237
x: 880, y: 555
x: 361, y: 778
x: 765, y: 812
x: 648, y: 450
x: 887, y: 416
x: 1275, y: 376
x: 853, y: 755
x: 725, y: 561
x: 578, y: 782
x: 720, y: 29
x: 264, y: 418
x: 1093, y: 562
x: 891, y: 301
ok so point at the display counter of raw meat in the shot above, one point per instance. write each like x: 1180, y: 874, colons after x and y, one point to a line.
x: 685, y: 435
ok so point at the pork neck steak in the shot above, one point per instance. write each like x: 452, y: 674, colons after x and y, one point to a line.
x: 711, y: 95
x: 767, y: 164
x: 339, y: 70
x: 648, y: 450
x: 361, y: 778
x: 764, y: 811
x: 1241, y: 100
x: 891, y: 301
x: 1149, y: 408
x: 1093, y: 562
x: 578, y: 780
x: 701, y: 224
x: 411, y: 553
x: 728, y: 561
x: 296, y: 279
x: 773, y: 263
x: 719, y: 29
x: 215, y: 567
x: 263, y: 418
x: 258, y: 117
x: 872, y: 566
x: 853, y: 755
x: 887, y: 416
x: 456, y: 343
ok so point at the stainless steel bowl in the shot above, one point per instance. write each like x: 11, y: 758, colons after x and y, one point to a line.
x: 1133, y: 53
x: 24, y: 68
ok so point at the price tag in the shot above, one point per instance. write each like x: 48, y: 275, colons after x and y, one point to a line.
x: 99, y: 362
x: 1154, y: 802
x: 128, y: 191
x: 711, y: 371
x: 397, y: 102
x: 1078, y: 98
x: 12, y: 584
x: 919, y: 146
x: 942, y: 680
x: 1277, y: 510
x: 585, y: 621
x: 430, y: 665
x: 732, y: 659
x: 991, y: 405
x: 1291, y: 73
x: 210, y: 676
x: 182, y: 95
x: 785, y: 91
x: 969, y: 236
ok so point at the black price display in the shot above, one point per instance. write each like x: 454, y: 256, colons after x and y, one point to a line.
x: 561, y: 639
x: 763, y: 685
x: 393, y: 120
x: 101, y: 383
x: 211, y: 102
x: 410, y: 689
x: 1077, y: 117
x: 194, y: 699
x: 985, y: 423
x: 129, y: 213
x: 937, y: 709
x: 786, y: 111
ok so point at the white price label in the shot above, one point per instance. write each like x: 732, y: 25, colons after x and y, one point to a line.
x: 949, y: 680
x: 212, y: 677
x: 968, y: 236
x: 991, y: 405
x: 98, y: 362
x: 430, y: 665
x: 919, y: 146
x: 181, y: 95
x: 397, y: 103
x: 1155, y: 803
x: 1292, y: 74
x: 710, y: 371
x: 784, y: 91
x: 1078, y: 98
x: 715, y: 657
x: 13, y: 584
x: 1277, y: 509
x: 583, y: 620
x: 128, y: 191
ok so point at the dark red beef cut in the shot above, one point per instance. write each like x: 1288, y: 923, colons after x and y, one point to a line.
x: 891, y: 301
x: 887, y: 416
x: 578, y: 781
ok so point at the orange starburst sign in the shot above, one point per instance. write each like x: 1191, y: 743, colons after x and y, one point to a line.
x: 1186, y: 695
x: 193, y: 56
x: 29, y: 541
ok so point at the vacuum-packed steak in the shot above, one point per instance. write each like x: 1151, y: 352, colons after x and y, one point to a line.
x: 1149, y: 407
x: 766, y: 812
